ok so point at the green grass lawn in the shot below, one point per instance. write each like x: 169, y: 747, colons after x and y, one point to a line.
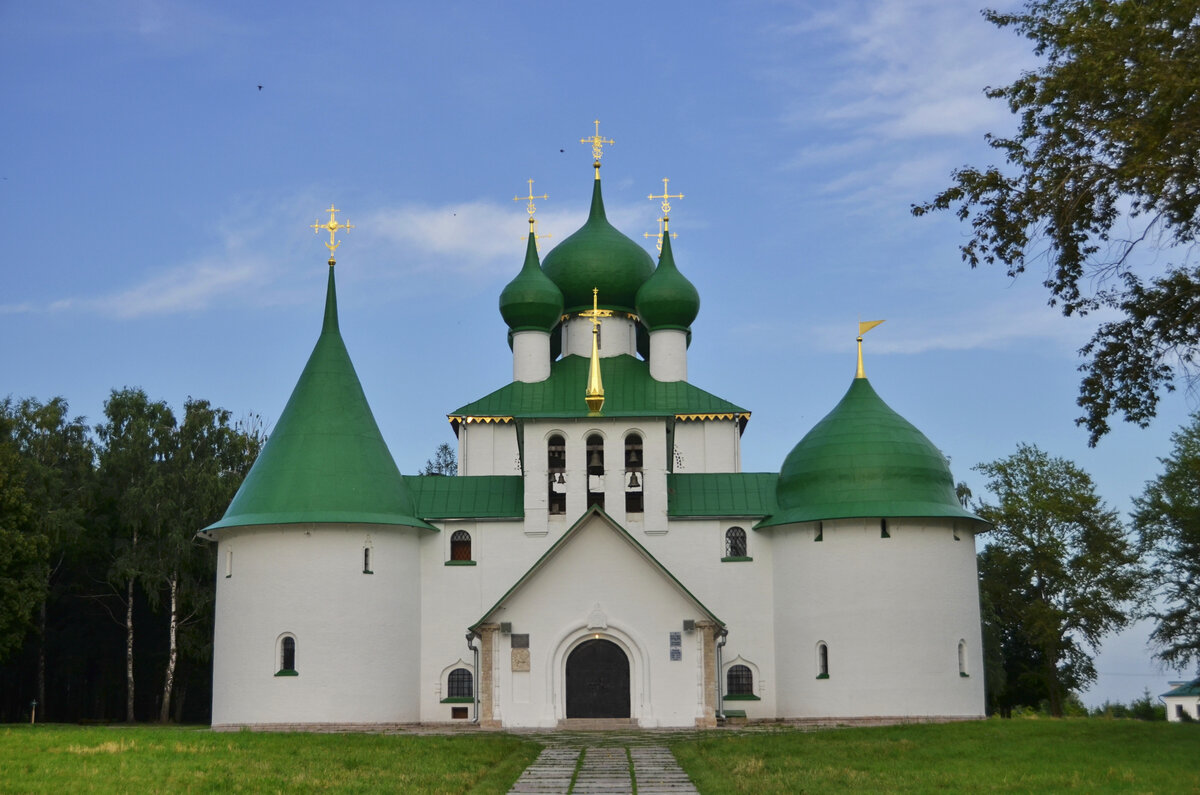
x: 1087, y: 755
x: 63, y: 759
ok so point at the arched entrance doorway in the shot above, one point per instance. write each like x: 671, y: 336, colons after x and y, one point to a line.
x: 597, y: 681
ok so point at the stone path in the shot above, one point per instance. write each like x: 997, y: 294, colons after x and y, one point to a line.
x: 604, y: 766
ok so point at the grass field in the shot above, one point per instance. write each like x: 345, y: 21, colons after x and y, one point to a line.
x: 59, y: 759
x: 1086, y: 755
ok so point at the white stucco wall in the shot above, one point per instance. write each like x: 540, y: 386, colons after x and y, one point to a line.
x: 668, y: 355
x: 707, y: 446
x: 357, y: 635
x: 531, y: 356
x: 618, y: 336
x: 1187, y: 704
x: 488, y: 448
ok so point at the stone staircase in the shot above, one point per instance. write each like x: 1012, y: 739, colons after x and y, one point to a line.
x: 597, y: 724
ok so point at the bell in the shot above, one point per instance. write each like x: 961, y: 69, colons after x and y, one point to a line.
x: 595, y: 463
x: 561, y: 479
x: 633, y: 481
x: 634, y: 460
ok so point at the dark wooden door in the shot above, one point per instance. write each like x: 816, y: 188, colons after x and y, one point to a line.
x: 597, y: 681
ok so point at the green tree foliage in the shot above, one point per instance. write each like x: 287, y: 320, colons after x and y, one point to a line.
x: 1103, y: 165
x: 1167, y: 518
x: 23, y: 550
x: 442, y: 463
x: 1058, y: 574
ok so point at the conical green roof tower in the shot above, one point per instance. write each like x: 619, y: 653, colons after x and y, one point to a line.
x: 325, y: 461
x: 667, y: 299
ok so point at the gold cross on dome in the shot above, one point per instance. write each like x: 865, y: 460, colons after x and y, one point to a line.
x: 666, y: 202
x: 595, y: 313
x: 658, y: 237
x: 536, y: 236
x: 529, y: 208
x: 332, y: 227
x: 597, y: 141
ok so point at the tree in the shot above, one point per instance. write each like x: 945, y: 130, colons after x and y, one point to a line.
x: 1103, y: 165
x: 1059, y: 570
x: 1167, y: 518
x: 23, y: 550
x: 442, y: 463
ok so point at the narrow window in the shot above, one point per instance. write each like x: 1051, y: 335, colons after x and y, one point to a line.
x: 460, y: 545
x: 287, y: 656
x: 595, y: 470
x: 367, y: 561
x: 962, y: 658
x: 735, y: 543
x: 634, y: 500
x: 739, y: 681
x: 556, y: 460
x: 883, y: 529
x: 822, y: 660
x: 820, y: 534
x: 460, y: 684
x: 229, y: 563
x: 1179, y: 711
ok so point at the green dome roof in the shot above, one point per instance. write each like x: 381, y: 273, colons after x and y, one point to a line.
x: 667, y: 299
x: 864, y: 460
x: 597, y: 255
x: 531, y: 302
x: 325, y: 461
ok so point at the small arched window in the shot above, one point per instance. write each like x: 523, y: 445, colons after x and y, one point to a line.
x: 460, y: 545
x: 735, y: 543
x: 595, y: 470
x: 739, y: 681
x: 962, y: 659
x: 460, y: 684
x: 287, y: 656
x: 822, y: 660
x: 556, y: 464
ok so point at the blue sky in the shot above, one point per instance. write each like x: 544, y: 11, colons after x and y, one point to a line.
x: 158, y: 203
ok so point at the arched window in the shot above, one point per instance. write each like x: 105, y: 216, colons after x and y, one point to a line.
x: 460, y: 545
x: 739, y: 681
x: 634, y: 500
x: 735, y: 543
x: 556, y: 463
x: 460, y: 684
x: 962, y: 658
x: 822, y: 660
x: 287, y: 656
x: 595, y: 470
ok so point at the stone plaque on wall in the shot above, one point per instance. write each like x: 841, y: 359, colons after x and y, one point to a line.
x: 520, y: 659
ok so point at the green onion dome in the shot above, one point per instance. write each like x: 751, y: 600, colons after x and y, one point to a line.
x: 864, y: 460
x: 325, y: 461
x: 667, y: 300
x: 597, y: 255
x: 531, y: 302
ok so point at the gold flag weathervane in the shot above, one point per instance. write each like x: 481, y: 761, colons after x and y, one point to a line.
x: 531, y: 209
x: 594, y: 394
x: 598, y: 142
x: 333, y: 227
x: 863, y: 327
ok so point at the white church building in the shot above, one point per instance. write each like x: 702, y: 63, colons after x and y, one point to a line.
x: 601, y: 555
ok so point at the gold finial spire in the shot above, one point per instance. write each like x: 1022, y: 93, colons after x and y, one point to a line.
x: 332, y: 227
x: 597, y: 141
x: 666, y: 204
x: 536, y: 236
x: 863, y: 327
x: 594, y: 395
x: 531, y: 209
x: 658, y: 236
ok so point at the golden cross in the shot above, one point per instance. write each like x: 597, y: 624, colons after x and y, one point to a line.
x: 530, y: 208
x: 332, y: 227
x: 533, y: 228
x: 597, y: 142
x: 595, y: 313
x: 658, y: 237
x: 666, y: 202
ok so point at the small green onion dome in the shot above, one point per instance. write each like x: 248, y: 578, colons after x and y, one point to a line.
x: 864, y: 460
x: 325, y: 461
x: 597, y: 255
x: 531, y: 302
x: 667, y: 300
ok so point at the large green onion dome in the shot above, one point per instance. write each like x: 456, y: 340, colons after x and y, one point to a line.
x: 531, y: 302
x: 864, y: 460
x: 599, y: 256
x: 667, y: 300
x: 325, y: 461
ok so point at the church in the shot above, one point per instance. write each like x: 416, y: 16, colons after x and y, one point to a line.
x: 600, y: 559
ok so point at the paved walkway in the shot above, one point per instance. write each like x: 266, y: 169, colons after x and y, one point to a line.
x: 603, y: 763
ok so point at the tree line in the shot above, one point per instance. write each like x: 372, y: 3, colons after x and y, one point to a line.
x: 106, y: 593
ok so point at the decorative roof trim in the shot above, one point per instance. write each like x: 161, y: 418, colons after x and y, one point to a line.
x: 455, y: 419
x: 739, y: 415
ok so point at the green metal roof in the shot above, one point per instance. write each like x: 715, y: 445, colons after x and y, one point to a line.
x: 562, y: 540
x: 468, y: 497
x: 1191, y: 688
x: 701, y: 494
x: 531, y: 302
x: 598, y: 255
x: 864, y: 460
x: 325, y: 461
x: 629, y: 391
x: 668, y: 300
